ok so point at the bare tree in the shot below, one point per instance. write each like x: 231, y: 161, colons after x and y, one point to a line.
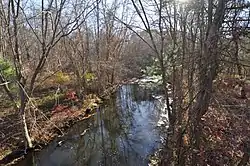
x: 209, y: 68
x: 53, y: 28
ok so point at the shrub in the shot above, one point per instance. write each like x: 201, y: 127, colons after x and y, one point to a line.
x: 7, y: 69
x: 61, y: 77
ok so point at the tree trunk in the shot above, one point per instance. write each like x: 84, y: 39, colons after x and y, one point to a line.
x: 24, y: 99
x: 208, y: 73
x: 26, y: 131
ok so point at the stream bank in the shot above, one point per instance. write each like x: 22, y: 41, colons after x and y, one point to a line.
x: 126, y: 130
x: 51, y: 121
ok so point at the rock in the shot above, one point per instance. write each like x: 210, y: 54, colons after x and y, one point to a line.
x: 60, y: 143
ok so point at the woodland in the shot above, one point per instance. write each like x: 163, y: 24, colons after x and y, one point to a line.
x: 60, y: 58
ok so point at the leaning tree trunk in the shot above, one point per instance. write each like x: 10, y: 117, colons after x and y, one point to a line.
x: 23, y: 98
x: 26, y: 131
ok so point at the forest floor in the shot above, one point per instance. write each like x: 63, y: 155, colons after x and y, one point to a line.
x: 48, y: 115
x: 226, y: 126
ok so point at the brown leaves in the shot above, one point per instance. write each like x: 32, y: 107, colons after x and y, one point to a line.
x: 225, y: 127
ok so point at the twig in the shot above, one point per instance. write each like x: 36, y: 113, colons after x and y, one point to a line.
x: 5, y: 83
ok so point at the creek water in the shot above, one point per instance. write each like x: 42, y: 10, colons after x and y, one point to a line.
x: 124, y: 132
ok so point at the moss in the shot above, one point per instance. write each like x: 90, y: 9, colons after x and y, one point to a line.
x: 49, y: 100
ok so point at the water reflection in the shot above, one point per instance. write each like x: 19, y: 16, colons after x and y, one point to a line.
x: 123, y: 133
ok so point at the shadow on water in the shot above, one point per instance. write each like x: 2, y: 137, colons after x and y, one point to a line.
x: 123, y: 133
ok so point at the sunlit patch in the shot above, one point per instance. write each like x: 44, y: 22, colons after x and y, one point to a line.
x: 183, y: 1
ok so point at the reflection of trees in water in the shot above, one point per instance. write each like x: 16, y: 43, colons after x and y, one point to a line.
x: 117, y: 139
x: 102, y: 139
x: 112, y: 138
x: 113, y: 143
x: 140, y: 93
x: 135, y: 105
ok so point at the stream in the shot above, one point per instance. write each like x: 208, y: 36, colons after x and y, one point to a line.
x: 125, y: 131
